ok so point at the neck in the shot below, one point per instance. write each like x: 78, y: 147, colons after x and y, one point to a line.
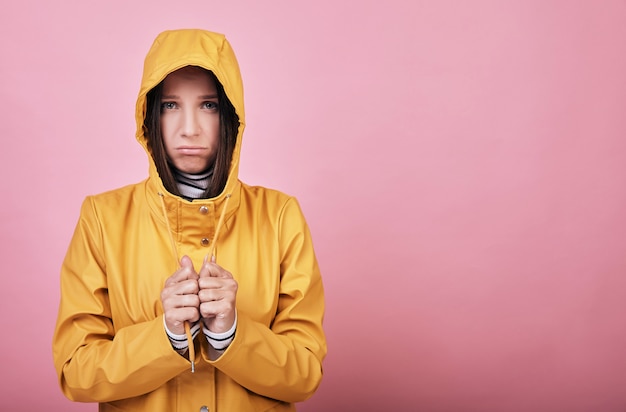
x: 192, y: 186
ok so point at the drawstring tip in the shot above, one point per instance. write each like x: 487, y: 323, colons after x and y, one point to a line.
x: 193, y: 366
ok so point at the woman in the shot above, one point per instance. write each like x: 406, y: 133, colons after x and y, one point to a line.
x: 190, y: 291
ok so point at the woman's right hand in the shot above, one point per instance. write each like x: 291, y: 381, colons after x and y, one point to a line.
x: 179, y: 297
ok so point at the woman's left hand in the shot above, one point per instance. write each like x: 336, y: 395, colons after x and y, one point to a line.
x: 218, y: 293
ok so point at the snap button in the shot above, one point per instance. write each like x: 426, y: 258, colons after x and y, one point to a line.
x: 204, y: 409
x: 204, y: 241
x: 204, y: 210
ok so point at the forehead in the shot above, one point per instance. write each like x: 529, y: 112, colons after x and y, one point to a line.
x: 189, y: 77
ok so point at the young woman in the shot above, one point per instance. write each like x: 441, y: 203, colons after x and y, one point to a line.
x: 190, y: 291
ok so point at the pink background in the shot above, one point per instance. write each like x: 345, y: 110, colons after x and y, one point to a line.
x: 462, y: 166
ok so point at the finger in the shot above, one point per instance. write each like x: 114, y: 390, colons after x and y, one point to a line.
x: 211, y: 295
x: 184, y: 272
x: 181, y: 275
x: 187, y: 286
x: 217, y: 283
x: 173, y: 301
x: 182, y: 301
x: 175, y: 319
x: 218, y: 309
x: 212, y: 269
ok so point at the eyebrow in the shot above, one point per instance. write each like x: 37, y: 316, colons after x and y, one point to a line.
x: 174, y: 96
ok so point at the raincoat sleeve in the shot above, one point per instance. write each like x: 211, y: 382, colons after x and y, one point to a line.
x: 94, y: 361
x: 284, y: 361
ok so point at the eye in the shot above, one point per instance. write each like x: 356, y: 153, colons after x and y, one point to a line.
x: 168, y: 105
x: 210, y: 105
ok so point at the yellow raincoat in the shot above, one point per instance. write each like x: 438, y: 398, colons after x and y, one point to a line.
x: 110, y: 345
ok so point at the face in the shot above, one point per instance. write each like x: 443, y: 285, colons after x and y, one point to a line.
x: 190, y: 119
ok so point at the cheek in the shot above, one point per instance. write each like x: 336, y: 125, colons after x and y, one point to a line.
x: 212, y: 128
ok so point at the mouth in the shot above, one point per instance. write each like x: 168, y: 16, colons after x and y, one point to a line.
x: 190, y: 150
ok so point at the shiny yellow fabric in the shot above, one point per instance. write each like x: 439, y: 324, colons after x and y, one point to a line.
x: 110, y: 345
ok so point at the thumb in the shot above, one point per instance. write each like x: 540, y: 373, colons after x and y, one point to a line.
x: 185, y: 262
x: 186, y: 265
x: 204, y: 270
x: 208, y: 270
x: 206, y: 259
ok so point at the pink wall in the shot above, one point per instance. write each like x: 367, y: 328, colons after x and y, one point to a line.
x: 462, y: 166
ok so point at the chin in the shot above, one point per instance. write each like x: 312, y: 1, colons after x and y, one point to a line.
x: 193, y: 169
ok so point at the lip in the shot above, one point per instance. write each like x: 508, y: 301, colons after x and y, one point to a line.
x: 190, y: 149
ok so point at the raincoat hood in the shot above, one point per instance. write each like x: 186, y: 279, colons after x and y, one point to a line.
x: 175, y: 49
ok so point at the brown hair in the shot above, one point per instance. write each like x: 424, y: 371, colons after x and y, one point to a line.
x: 229, y: 124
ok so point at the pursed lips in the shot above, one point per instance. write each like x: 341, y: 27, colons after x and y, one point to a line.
x: 190, y: 149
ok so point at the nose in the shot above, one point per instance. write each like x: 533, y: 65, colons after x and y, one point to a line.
x: 191, y: 124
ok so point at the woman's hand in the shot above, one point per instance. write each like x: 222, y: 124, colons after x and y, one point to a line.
x: 179, y: 297
x: 218, y: 293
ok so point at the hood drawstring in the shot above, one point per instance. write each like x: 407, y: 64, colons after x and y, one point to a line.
x: 192, y: 350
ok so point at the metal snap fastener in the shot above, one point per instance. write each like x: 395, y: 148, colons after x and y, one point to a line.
x: 204, y: 241
x: 204, y: 210
x: 204, y: 409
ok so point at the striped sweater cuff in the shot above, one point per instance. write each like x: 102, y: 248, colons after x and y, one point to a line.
x: 179, y: 342
x: 220, y: 341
